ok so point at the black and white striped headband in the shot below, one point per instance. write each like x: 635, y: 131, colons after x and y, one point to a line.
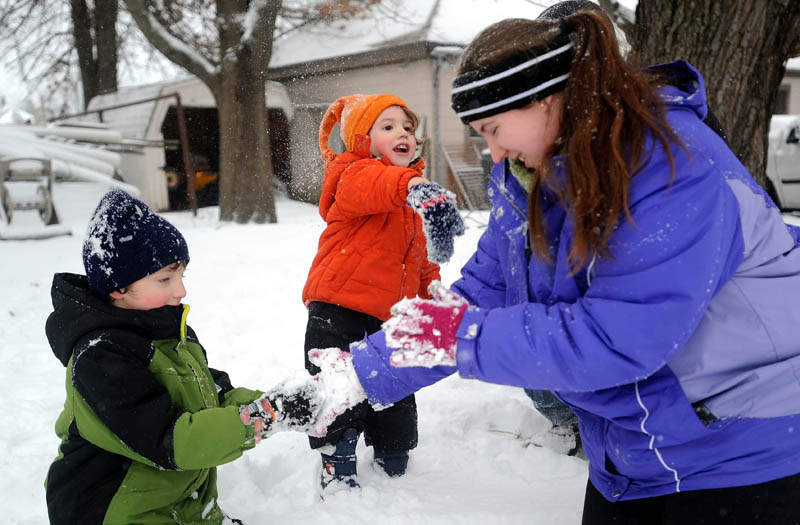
x: 514, y: 82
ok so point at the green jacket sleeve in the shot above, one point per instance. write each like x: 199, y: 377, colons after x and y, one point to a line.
x: 123, y: 406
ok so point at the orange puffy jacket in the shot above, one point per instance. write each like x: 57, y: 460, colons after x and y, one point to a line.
x: 372, y: 253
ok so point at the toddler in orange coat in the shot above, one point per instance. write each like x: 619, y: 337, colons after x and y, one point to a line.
x: 374, y: 252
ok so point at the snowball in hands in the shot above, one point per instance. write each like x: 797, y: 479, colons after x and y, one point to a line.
x: 423, y: 331
x: 297, y: 402
x: 339, y: 384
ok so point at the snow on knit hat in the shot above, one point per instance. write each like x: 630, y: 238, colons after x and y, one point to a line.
x: 567, y: 7
x: 355, y: 115
x: 126, y: 241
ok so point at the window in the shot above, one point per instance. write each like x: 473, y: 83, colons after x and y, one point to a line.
x: 781, y: 106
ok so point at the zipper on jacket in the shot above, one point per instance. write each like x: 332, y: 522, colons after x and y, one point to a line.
x: 198, y: 377
x: 184, y: 315
x: 510, y: 200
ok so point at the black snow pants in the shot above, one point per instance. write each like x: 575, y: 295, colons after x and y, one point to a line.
x: 773, y: 503
x: 393, y: 429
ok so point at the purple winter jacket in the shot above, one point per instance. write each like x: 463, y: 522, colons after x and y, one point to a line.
x: 680, y: 355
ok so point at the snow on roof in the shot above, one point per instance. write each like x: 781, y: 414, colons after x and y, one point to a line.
x: 133, y: 121
x: 454, y: 22
x: 13, y: 115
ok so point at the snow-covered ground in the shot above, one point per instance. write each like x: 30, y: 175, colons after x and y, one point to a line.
x: 244, y: 284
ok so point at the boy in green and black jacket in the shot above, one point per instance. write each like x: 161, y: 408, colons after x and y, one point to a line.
x: 146, y: 421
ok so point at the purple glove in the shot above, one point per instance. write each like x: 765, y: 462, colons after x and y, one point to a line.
x: 423, y: 331
x: 440, y: 219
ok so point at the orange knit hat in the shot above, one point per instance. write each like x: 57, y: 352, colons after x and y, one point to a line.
x: 355, y: 115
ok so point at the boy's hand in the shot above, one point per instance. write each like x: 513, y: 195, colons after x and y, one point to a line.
x: 260, y: 414
x: 339, y: 383
x: 440, y: 218
x: 423, y: 331
x: 291, y: 405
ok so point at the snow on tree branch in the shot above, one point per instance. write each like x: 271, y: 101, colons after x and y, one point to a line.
x: 170, y: 45
x: 251, y: 18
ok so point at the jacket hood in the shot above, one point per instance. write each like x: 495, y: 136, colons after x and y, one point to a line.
x: 683, y: 87
x: 77, y: 312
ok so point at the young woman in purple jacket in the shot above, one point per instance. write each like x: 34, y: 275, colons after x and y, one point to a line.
x: 633, y: 267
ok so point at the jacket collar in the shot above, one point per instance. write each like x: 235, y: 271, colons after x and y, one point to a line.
x: 78, y: 312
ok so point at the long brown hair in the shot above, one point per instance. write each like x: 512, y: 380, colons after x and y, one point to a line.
x: 608, y: 112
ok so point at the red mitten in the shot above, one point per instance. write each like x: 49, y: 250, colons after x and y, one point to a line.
x: 423, y: 331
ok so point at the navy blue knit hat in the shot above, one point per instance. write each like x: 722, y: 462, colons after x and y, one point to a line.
x: 567, y: 7
x: 126, y: 241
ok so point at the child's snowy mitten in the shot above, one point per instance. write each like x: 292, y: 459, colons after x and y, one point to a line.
x: 338, y: 382
x: 423, y: 331
x: 291, y: 405
x: 440, y: 218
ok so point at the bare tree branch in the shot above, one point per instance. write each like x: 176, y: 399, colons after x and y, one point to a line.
x: 170, y: 45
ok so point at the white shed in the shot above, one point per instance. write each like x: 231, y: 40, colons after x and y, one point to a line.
x: 151, y: 153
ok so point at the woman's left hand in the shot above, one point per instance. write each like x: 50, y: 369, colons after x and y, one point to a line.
x: 423, y: 331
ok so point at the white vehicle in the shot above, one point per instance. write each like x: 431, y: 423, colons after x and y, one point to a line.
x: 783, y: 161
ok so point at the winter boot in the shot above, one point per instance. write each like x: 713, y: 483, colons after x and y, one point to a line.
x: 564, y: 439
x: 578, y: 449
x: 340, y: 467
x: 393, y: 462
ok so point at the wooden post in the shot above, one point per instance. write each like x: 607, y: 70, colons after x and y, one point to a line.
x: 188, y: 170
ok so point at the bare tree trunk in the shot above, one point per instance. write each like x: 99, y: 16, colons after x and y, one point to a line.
x: 105, y: 35
x: 84, y: 45
x: 97, y: 53
x: 238, y: 85
x: 245, y: 191
x: 739, y: 47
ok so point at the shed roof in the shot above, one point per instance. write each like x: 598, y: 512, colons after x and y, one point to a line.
x: 402, y: 22
x: 133, y: 121
x: 405, y: 22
